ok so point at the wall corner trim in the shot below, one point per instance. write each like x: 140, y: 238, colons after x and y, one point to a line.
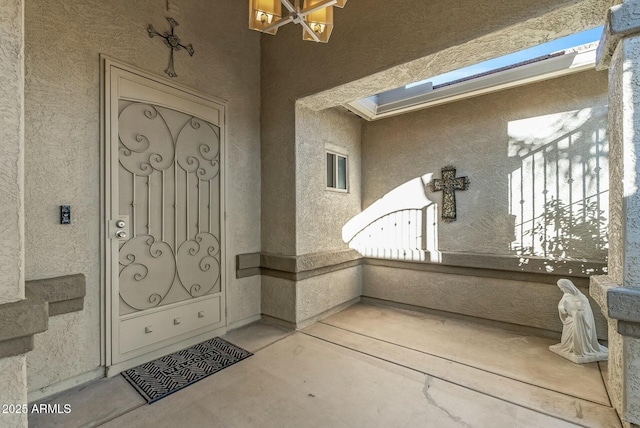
x: 20, y: 321
x: 622, y: 21
x: 64, y: 293
x: 618, y: 303
x: 295, y: 268
x: 537, y: 269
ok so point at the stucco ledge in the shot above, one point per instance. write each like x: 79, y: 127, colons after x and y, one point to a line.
x: 64, y: 293
x: 617, y: 303
x: 20, y: 321
x: 622, y: 21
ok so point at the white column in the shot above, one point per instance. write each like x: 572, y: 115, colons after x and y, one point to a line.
x: 617, y: 293
x: 13, y: 383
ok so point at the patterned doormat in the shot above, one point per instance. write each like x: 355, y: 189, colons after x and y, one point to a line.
x: 157, y: 379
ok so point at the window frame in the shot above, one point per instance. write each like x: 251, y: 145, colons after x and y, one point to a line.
x: 336, y: 156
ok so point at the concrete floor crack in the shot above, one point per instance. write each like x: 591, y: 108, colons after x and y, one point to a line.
x: 431, y: 400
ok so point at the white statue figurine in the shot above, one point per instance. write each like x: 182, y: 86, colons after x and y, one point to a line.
x: 579, y: 340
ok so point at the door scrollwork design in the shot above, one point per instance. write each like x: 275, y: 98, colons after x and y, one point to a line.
x: 148, y: 273
x: 198, y: 264
x: 146, y: 143
x: 170, y: 168
x: 198, y: 149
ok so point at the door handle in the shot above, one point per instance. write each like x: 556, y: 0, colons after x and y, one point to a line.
x: 118, y: 228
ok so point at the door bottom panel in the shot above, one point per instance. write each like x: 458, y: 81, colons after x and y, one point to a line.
x: 146, y: 329
x: 136, y: 358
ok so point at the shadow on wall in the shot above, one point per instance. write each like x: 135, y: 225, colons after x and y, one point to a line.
x: 402, y: 225
x: 558, y: 188
x: 558, y: 197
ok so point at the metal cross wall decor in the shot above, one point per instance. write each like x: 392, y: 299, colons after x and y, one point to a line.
x: 173, y: 42
x: 449, y: 184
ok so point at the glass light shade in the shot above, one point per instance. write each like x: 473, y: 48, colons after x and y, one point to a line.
x: 263, y: 13
x: 320, y: 21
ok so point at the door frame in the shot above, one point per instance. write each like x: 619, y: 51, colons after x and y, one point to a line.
x: 107, y: 305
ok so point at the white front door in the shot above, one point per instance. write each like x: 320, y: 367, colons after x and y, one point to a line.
x: 164, y: 152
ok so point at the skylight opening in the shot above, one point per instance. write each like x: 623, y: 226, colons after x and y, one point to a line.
x: 549, y: 48
x: 560, y: 57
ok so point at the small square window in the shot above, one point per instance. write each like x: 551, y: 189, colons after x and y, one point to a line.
x: 337, y: 172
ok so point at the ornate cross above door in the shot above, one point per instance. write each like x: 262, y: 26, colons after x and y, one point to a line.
x: 173, y: 42
x: 448, y: 185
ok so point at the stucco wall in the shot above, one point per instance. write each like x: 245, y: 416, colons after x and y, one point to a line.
x: 519, y: 148
x: 321, y: 210
x: 624, y: 352
x: 525, y: 303
x: 11, y: 152
x: 305, y: 301
x: 550, y: 135
x: 319, y: 216
x: 626, y: 71
x: 626, y: 264
x: 616, y: 231
x: 370, y: 39
x: 63, y: 43
x: 318, y: 295
x: 13, y: 372
x: 279, y: 298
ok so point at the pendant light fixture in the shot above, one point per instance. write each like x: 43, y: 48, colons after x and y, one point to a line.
x: 315, y: 16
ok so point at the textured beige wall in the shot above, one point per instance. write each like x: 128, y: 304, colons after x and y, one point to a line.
x: 616, y: 230
x: 624, y: 352
x: 319, y: 294
x: 279, y: 298
x: 304, y: 301
x: 478, y: 136
x: 630, y: 209
x: 625, y: 144
x: 375, y: 46
x: 490, y: 139
x: 370, y: 39
x: 319, y: 210
x: 526, y: 303
x: 632, y: 371
x: 13, y: 372
x: 63, y: 43
x: 12, y: 151
x: 319, y: 215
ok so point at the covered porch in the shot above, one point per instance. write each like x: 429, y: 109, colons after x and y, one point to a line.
x: 406, y: 320
x: 370, y: 365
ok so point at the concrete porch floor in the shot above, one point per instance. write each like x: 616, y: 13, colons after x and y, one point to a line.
x: 367, y: 366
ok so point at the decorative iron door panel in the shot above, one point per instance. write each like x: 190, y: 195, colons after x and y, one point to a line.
x: 166, y: 234
x: 169, y: 187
